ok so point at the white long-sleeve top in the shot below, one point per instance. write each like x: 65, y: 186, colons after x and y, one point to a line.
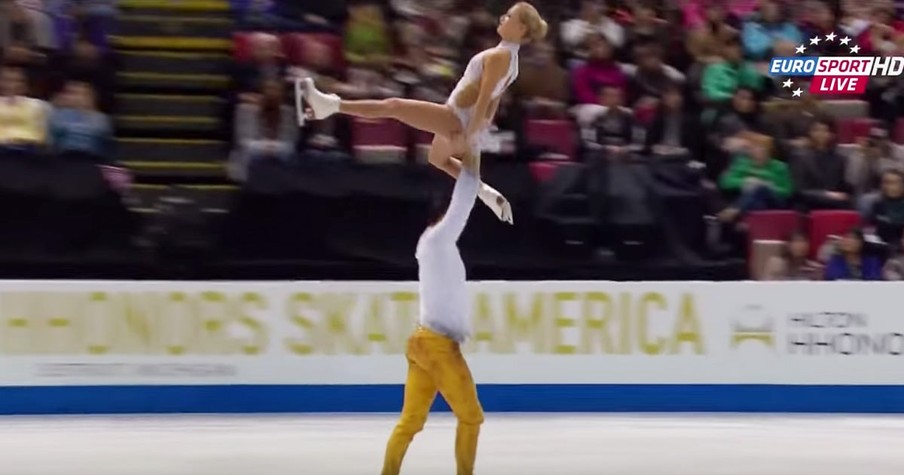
x: 444, y: 302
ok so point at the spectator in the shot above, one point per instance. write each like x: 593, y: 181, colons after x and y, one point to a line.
x: 887, y: 214
x: 705, y: 41
x: 771, y: 24
x: 794, y: 263
x: 820, y: 21
x: 730, y: 127
x: 591, y: 22
x: 721, y: 79
x: 646, y: 27
x: 77, y: 128
x: 266, y: 130
x: 697, y: 12
x: 23, y: 120
x: 42, y: 26
x: 367, y: 40
x: 88, y: 21
x: 674, y: 129
x: 793, y: 126
x: 878, y: 38
x: 760, y: 181
x: 849, y: 262
x: 873, y: 156
x: 650, y: 77
x: 542, y: 84
x: 894, y: 267
x: 18, y: 38
x: 819, y: 170
x: 615, y: 125
x: 267, y: 64
x: 601, y: 70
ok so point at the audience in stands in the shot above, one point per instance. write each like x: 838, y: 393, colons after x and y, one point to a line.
x: 650, y: 77
x: 794, y: 263
x: 267, y: 63
x: 77, y: 128
x: 819, y: 170
x: 542, y: 85
x: 849, y: 262
x: 873, y: 156
x: 23, y: 120
x: 18, y: 35
x: 367, y: 36
x: 894, y: 266
x: 819, y: 21
x: 266, y: 129
x: 710, y: 32
x: 591, y: 21
x: 771, y: 24
x: 731, y: 125
x: 722, y: 78
x: 674, y: 129
x: 646, y: 28
x: 614, y: 127
x: 759, y: 181
x: 600, y: 70
x: 887, y: 213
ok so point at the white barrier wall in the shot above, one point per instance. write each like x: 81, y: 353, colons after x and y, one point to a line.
x: 551, y: 346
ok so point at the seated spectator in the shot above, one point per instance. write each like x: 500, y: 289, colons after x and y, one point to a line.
x: 731, y: 125
x: 706, y: 39
x: 759, y: 181
x: 721, y: 79
x: 820, y: 21
x: 41, y: 22
x: 267, y: 64
x: 674, y: 129
x: 793, y: 125
x: 77, y: 128
x: 887, y: 214
x: 794, y: 263
x: 592, y: 21
x: 646, y: 27
x: 23, y: 120
x: 849, y: 262
x: 873, y: 156
x: 878, y: 38
x: 88, y: 21
x: 894, y: 267
x: 601, y: 70
x: 19, y: 43
x: 819, y: 170
x: 542, y: 85
x: 698, y: 12
x: 367, y: 40
x: 614, y: 126
x: 650, y: 77
x: 266, y: 130
x: 771, y: 24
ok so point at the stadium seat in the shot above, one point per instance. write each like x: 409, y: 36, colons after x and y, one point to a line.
x: 898, y: 133
x: 422, y: 141
x: 297, y: 47
x: 557, y: 137
x: 645, y: 114
x: 849, y: 130
x: 543, y: 171
x: 379, y: 141
x: 241, y: 46
x: 826, y: 223
x: 772, y: 225
x: 846, y: 109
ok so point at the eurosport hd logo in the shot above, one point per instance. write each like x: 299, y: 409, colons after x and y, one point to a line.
x: 833, y: 75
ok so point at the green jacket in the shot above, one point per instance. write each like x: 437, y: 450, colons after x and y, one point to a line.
x: 774, y: 172
x: 721, y: 80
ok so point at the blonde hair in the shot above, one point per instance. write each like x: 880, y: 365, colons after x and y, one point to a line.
x: 536, y: 25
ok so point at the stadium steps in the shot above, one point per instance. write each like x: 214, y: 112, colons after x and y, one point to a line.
x: 213, y: 199
x: 171, y: 150
x: 174, y: 72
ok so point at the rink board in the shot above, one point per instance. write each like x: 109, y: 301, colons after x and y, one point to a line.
x: 155, y: 347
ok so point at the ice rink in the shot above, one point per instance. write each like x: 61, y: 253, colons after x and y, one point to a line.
x: 573, y: 444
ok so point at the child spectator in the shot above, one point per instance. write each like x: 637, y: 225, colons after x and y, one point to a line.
x: 758, y: 180
x: 266, y: 130
x: 77, y: 129
x: 794, y: 263
x: 600, y: 71
x: 887, y: 214
x: 615, y: 125
x: 772, y: 24
x: 849, y: 262
x: 819, y: 170
x: 23, y: 120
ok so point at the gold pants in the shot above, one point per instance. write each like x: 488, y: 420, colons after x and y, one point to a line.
x: 435, y: 363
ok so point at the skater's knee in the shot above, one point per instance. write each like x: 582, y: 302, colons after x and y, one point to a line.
x: 470, y: 418
x: 411, y: 424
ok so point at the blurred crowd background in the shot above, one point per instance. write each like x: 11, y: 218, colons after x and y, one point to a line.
x: 644, y: 139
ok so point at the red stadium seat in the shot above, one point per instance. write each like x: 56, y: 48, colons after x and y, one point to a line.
x: 772, y: 225
x: 422, y: 140
x: 379, y: 141
x: 849, y: 130
x: 298, y: 47
x: 558, y: 137
x: 645, y: 114
x: 543, y: 171
x: 827, y: 223
x: 898, y: 133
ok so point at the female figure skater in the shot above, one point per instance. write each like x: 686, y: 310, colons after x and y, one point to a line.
x: 457, y: 125
x: 435, y: 362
